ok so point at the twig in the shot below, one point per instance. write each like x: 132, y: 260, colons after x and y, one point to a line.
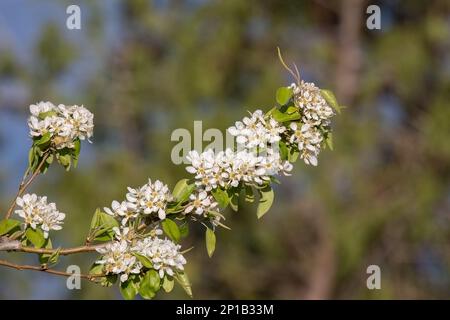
x: 23, y: 186
x: 51, y: 271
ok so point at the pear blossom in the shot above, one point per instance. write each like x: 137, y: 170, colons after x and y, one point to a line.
x: 308, y: 140
x: 36, y: 212
x: 123, y: 211
x: 164, y: 254
x: 117, y: 258
x: 65, y: 124
x: 255, y: 131
x: 309, y: 100
x: 200, y: 203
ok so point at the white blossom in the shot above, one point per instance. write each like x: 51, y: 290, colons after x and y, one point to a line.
x: 164, y: 255
x: 308, y: 140
x: 255, y: 131
x: 36, y: 212
x: 155, y: 198
x: 313, y: 106
x: 123, y: 211
x: 65, y: 124
x: 200, y: 203
x: 117, y: 258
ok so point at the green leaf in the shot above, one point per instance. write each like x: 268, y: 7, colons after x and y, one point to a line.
x: 171, y: 229
x: 54, y: 257
x: 150, y: 284
x: 44, y: 139
x: 8, y: 225
x: 284, y: 152
x: 234, y: 198
x: 44, y: 115
x: 96, y: 269
x: 284, y: 117
x: 65, y: 160
x: 265, y: 202
x: 144, y: 260
x: 168, y: 283
x: 76, y: 152
x: 183, y: 280
x: 249, y: 194
x: 183, y: 190
x: 283, y: 95
x: 102, y: 225
x: 221, y: 197
x: 184, y: 230
x: 31, y: 155
x: 329, y: 140
x: 128, y: 289
x: 36, y: 237
x: 293, y: 154
x: 330, y: 98
x: 210, y: 239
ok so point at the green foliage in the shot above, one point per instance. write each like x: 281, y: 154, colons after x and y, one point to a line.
x: 102, y: 225
x: 265, y: 201
x: 171, y: 229
x: 283, y: 95
x: 184, y: 282
x: 221, y: 196
x: 8, y: 226
x: 36, y: 237
x: 210, y: 240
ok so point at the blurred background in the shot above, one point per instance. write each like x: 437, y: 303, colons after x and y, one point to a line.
x: 146, y: 68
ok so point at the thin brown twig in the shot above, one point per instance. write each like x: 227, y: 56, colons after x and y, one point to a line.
x: 23, y: 186
x: 51, y: 271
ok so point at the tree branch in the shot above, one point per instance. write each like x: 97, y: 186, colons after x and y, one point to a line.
x: 90, y: 277
x: 23, y: 186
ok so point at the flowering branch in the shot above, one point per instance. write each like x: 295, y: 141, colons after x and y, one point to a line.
x: 128, y: 235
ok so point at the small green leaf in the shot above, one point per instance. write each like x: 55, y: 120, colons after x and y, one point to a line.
x: 284, y: 152
x: 249, y: 194
x: 329, y: 140
x: 183, y: 190
x: 171, y: 229
x: 168, y: 283
x: 283, y: 95
x: 210, y: 239
x: 265, y: 202
x: 183, y: 280
x: 44, y: 139
x: 184, y: 230
x: 150, y: 284
x: 284, y: 117
x: 96, y: 269
x: 330, y: 98
x: 102, y: 225
x: 144, y: 260
x: 8, y: 225
x: 76, y: 152
x: 221, y: 197
x: 46, y: 114
x: 36, y: 237
x: 54, y: 257
x: 31, y: 155
x: 128, y: 289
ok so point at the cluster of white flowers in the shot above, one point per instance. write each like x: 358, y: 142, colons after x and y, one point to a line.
x: 200, y: 203
x: 314, y: 108
x: 148, y: 199
x: 65, y: 124
x: 255, y: 131
x: 229, y: 168
x: 118, y: 257
x: 36, y: 212
x: 308, y: 139
x: 164, y: 255
x: 316, y: 113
